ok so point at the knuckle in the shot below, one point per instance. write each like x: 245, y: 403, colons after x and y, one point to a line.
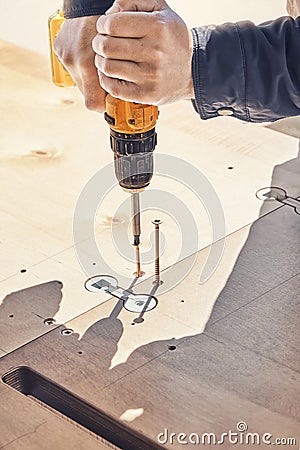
x: 158, y: 23
x: 63, y: 55
x: 159, y: 61
x: 91, y: 103
x: 114, y: 89
x: 122, y: 2
x: 156, y: 73
x: 66, y: 58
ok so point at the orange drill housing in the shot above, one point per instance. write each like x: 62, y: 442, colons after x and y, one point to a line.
x: 128, y: 117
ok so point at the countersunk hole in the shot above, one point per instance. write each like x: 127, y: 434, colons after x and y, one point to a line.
x: 230, y: 168
x: 80, y: 352
x: 11, y: 316
x: 172, y: 347
x: 23, y: 270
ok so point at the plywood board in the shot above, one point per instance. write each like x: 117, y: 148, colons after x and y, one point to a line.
x: 245, y: 367
x: 251, y: 326
x: 34, y: 427
x: 39, y: 193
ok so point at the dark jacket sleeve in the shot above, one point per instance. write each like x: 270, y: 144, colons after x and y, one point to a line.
x: 79, y: 8
x: 247, y: 71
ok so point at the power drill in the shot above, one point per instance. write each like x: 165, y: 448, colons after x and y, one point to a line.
x: 132, y: 137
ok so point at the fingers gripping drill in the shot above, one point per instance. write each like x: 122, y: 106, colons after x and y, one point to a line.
x: 132, y: 137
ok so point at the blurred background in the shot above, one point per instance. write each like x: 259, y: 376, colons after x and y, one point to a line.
x: 24, y: 22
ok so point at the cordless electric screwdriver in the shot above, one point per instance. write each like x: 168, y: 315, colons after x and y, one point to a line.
x: 132, y: 137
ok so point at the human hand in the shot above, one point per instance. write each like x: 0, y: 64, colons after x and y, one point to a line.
x: 144, y: 52
x: 73, y: 47
x: 293, y: 8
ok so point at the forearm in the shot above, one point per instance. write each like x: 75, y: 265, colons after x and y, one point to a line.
x: 80, y: 8
x: 247, y: 71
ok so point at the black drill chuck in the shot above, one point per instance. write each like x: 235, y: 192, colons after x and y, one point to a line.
x: 133, y: 158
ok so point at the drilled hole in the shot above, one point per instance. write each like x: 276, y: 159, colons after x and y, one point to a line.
x: 181, y: 301
x: 230, y: 168
x: 171, y: 347
x: 23, y: 270
x: 11, y: 316
x: 80, y: 352
x: 67, y: 101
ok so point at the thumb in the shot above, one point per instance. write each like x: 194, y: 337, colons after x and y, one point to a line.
x: 137, y: 5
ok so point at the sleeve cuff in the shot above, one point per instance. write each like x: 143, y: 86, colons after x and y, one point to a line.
x: 81, y: 8
x: 219, y: 73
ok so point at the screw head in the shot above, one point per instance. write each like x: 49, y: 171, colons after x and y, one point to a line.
x: 50, y: 321
x: 157, y: 222
x: 140, y: 303
x: 157, y: 282
x: 271, y: 193
x: 66, y: 332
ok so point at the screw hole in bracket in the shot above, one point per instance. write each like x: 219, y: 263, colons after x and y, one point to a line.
x: 49, y: 321
x: 66, y: 332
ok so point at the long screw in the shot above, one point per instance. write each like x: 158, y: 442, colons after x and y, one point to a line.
x: 138, y: 272
x: 157, y: 280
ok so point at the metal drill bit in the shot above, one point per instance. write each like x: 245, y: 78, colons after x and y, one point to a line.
x: 136, y: 218
x: 157, y: 280
x: 136, y: 229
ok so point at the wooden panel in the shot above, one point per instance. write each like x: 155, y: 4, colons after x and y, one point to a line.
x: 195, y: 382
x: 208, y: 386
x: 23, y: 311
x: 174, y: 309
x: 268, y: 326
x: 38, y: 194
x: 270, y: 256
x: 34, y: 427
